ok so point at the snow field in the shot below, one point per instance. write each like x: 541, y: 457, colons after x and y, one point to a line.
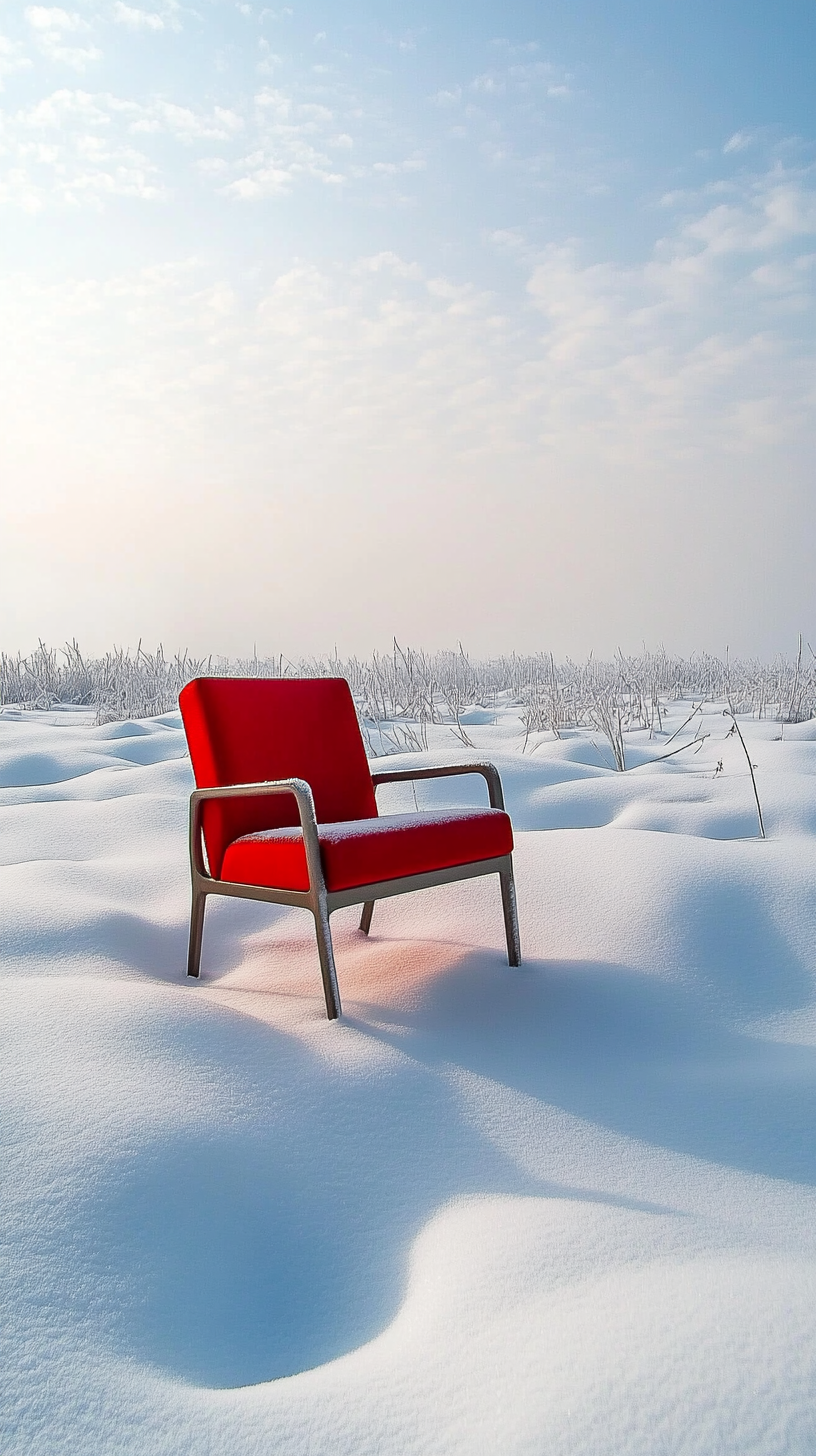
x: 564, y: 1208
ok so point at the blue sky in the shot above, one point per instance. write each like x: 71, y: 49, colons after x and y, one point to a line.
x: 479, y: 322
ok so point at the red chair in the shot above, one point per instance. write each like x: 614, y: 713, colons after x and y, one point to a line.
x: 285, y: 810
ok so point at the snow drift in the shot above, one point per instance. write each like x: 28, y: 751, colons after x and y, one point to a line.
x: 566, y: 1208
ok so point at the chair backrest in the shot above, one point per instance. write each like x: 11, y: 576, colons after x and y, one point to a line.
x: 244, y: 730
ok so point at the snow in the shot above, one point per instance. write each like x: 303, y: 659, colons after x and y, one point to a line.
x: 565, y: 1208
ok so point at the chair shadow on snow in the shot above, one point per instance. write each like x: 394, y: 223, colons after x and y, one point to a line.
x: 633, y: 1054
x: 158, y: 949
x: 277, y: 1238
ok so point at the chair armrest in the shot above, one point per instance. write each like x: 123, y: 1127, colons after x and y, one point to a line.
x: 298, y: 787
x: 300, y: 791
x: 488, y: 771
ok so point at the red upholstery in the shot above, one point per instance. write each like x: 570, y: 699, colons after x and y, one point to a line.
x: 363, y: 851
x: 247, y: 730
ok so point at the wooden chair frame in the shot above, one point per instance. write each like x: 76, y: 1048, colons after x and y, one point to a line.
x: 318, y: 899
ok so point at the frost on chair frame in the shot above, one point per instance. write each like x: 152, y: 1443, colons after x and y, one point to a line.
x: 285, y: 810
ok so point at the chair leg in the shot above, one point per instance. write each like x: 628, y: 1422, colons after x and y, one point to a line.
x: 365, y: 918
x: 511, y: 925
x: 325, y: 951
x: 196, y: 932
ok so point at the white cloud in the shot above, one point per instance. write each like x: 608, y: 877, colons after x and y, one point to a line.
x: 184, y: 124
x: 294, y: 140
x: 261, y: 178
x: 391, y: 169
x: 213, y: 167
x: 526, y: 48
x: 77, y: 147
x: 654, y: 364
x: 308, y: 111
x: 391, y: 263
x: 138, y: 19
x: 603, y: 414
x: 703, y: 352
x: 51, y: 25
x: 301, y: 130
x: 12, y: 58
x: 68, y: 148
x: 739, y: 142
x: 277, y: 102
x: 505, y: 114
x: 48, y: 18
x: 488, y: 85
x: 517, y: 80
x: 764, y: 213
x: 538, y: 73
x: 690, y: 351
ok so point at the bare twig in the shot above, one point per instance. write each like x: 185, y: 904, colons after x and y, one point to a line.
x: 729, y: 713
x: 698, y: 709
x: 695, y: 743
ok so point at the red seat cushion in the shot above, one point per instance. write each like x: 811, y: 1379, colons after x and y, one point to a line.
x: 363, y: 851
